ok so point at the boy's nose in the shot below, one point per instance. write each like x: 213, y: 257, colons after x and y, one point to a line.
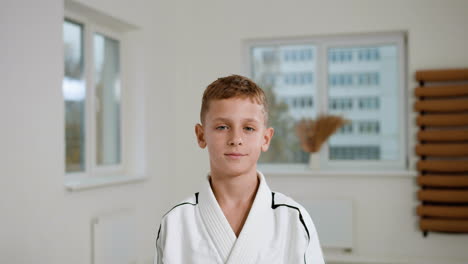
x: 235, y: 141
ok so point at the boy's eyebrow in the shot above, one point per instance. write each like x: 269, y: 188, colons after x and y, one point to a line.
x: 223, y: 119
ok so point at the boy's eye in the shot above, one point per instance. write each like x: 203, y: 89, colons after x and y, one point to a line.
x: 249, y: 129
x: 221, y: 127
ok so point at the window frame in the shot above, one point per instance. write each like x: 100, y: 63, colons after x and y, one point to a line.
x: 91, y: 168
x: 322, y: 44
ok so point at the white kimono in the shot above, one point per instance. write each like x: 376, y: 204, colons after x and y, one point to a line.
x: 277, y: 230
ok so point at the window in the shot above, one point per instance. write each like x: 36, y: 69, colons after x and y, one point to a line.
x: 369, y: 127
x: 355, y: 152
x: 369, y: 103
x: 341, y: 103
x: 340, y: 56
x: 74, y: 92
x: 369, y: 54
x: 346, y: 129
x: 92, y: 94
x: 360, y: 77
x: 369, y: 78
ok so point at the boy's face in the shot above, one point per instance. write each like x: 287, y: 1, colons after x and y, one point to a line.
x: 234, y: 132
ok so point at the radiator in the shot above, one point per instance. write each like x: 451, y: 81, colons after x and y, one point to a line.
x: 113, y: 238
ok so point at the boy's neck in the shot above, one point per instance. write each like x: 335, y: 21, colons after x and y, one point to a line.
x: 235, y: 190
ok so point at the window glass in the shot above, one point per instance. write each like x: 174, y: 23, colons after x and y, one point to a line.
x: 290, y: 97
x: 338, y: 76
x: 107, y: 92
x: 74, y: 93
x: 375, y: 107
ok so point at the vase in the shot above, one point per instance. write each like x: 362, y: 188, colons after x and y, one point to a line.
x: 314, y: 160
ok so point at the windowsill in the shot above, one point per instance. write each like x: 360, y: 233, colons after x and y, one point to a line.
x: 336, y: 173
x: 74, y: 185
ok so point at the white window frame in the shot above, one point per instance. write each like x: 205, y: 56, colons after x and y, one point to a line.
x: 91, y: 169
x: 322, y: 43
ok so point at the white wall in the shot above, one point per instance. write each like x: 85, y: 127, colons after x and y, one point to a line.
x: 41, y: 222
x: 180, y: 48
x: 209, y: 46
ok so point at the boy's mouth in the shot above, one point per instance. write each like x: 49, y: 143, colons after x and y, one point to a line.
x: 235, y: 154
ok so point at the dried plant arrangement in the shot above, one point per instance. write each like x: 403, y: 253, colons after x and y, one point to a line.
x: 313, y: 133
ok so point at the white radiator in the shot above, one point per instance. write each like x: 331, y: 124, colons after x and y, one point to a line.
x: 113, y: 238
x: 333, y: 220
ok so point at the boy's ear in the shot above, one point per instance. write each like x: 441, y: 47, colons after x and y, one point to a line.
x: 269, y: 132
x: 199, y: 131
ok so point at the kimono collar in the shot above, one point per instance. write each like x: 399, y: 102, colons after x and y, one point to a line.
x: 244, y: 248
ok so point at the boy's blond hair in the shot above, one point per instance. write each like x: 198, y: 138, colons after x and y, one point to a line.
x: 231, y: 87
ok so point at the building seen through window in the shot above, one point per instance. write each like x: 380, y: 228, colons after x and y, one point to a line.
x: 361, y: 83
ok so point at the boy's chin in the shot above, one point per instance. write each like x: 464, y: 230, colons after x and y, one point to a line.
x: 233, y: 171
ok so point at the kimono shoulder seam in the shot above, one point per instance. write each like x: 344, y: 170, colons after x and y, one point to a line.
x: 183, y: 203
x: 301, y: 218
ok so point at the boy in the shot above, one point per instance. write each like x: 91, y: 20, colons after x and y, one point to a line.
x: 236, y: 218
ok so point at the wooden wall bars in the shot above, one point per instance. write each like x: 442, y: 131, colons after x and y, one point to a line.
x: 442, y: 108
